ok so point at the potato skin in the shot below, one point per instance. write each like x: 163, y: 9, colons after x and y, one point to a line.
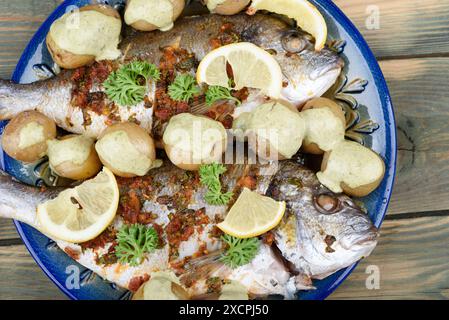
x: 230, y: 7
x: 142, y: 25
x: 91, y: 168
x: 312, y: 148
x: 361, y: 191
x: 68, y: 60
x: 170, y: 150
x: 261, y: 144
x: 142, y: 140
x: 11, y: 136
x: 183, y: 157
x: 178, y: 290
x: 88, y: 169
x: 139, y: 294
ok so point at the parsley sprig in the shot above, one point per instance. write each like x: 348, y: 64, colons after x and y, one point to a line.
x: 127, y: 86
x: 183, y: 88
x: 134, y: 241
x: 216, y: 93
x: 239, y: 251
x: 210, y: 177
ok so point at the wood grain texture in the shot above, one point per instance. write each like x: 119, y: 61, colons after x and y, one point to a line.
x: 7, y: 231
x: 19, y: 21
x: 421, y: 102
x: 412, y: 260
x: 412, y: 253
x: 407, y: 28
x: 21, y: 278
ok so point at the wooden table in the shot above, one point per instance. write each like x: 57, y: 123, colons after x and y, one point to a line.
x: 412, y: 46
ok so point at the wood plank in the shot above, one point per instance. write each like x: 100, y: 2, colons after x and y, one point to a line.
x: 22, y: 278
x: 8, y: 231
x: 19, y: 21
x: 412, y: 27
x: 412, y: 259
x: 406, y: 27
x: 419, y: 92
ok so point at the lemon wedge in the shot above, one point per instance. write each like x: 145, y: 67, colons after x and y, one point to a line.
x: 306, y: 15
x: 252, y: 215
x: 82, y: 213
x: 252, y: 67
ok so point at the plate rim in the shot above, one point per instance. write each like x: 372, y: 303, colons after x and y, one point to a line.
x: 381, y: 89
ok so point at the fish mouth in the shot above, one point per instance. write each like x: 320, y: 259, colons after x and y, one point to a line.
x: 312, y: 85
x: 328, y: 70
x: 364, y: 240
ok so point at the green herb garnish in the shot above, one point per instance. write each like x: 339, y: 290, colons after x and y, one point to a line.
x: 210, y: 177
x: 239, y: 251
x: 127, y: 86
x: 133, y: 241
x: 217, y: 198
x: 183, y: 88
x: 216, y: 93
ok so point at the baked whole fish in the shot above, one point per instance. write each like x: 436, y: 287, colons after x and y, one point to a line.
x: 322, y: 232
x: 77, y: 102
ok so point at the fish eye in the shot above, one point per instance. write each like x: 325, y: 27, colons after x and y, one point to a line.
x: 293, y: 41
x: 326, y: 203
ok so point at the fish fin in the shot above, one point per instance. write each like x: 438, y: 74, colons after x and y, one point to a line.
x: 200, y: 108
x: 202, y: 267
x: 303, y: 282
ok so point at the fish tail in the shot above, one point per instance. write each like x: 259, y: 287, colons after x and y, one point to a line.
x: 18, y: 201
x: 16, y: 98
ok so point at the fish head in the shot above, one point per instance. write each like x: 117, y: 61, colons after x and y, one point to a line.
x: 309, y: 73
x: 322, y: 232
x: 344, y: 224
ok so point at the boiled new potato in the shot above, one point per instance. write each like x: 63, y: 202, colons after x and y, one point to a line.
x: 326, y: 125
x: 25, y: 136
x: 127, y: 150
x: 351, y: 168
x: 234, y: 291
x: 79, y: 38
x: 74, y: 157
x: 162, y: 285
x: 191, y: 141
x: 149, y: 15
x: 275, y: 130
x: 226, y: 7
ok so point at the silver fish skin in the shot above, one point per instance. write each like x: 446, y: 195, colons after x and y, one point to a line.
x: 266, y: 276
x: 307, y: 73
x: 315, y: 241
x: 19, y: 201
x: 322, y: 232
x: 53, y: 98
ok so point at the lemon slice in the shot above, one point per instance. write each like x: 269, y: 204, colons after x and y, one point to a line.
x: 252, y: 67
x: 252, y: 215
x: 306, y: 15
x: 82, y: 213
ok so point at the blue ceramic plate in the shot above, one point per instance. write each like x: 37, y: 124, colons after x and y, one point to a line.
x: 361, y: 91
